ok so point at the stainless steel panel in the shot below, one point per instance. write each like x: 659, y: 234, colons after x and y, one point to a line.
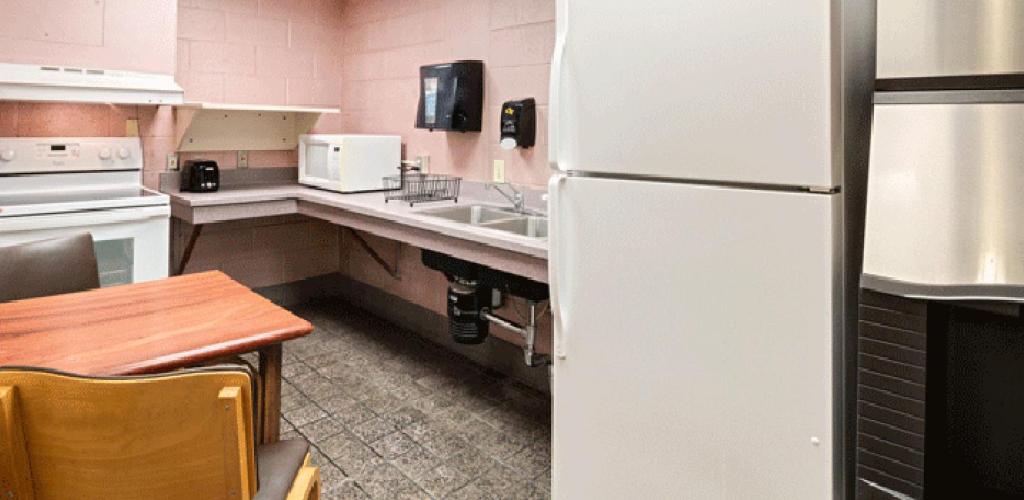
x: 951, y: 96
x: 856, y: 43
x: 945, y: 200
x: 924, y: 38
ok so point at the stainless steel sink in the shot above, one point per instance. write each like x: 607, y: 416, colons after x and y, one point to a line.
x: 533, y: 227
x: 501, y: 219
x: 470, y: 214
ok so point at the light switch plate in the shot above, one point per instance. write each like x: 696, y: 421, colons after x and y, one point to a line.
x: 172, y: 162
x: 498, y: 171
x: 243, y: 159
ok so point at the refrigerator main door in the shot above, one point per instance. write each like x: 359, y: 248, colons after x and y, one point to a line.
x: 693, y: 341
x: 723, y: 90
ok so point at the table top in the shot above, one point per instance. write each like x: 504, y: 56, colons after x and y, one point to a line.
x: 143, y: 327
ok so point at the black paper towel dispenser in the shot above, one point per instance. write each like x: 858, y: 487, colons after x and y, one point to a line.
x: 451, y: 96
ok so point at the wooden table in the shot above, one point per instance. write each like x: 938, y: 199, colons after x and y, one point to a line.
x: 154, y: 327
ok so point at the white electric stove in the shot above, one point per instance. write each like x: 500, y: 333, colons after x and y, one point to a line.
x: 51, y: 187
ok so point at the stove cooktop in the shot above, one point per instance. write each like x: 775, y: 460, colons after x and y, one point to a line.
x: 46, y: 198
x: 72, y: 200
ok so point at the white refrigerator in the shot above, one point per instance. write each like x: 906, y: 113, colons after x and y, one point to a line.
x: 697, y: 249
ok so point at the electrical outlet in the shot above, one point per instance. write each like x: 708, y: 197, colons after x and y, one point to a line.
x: 243, y: 159
x: 172, y: 162
x: 131, y: 128
x: 424, y: 163
x: 498, y: 171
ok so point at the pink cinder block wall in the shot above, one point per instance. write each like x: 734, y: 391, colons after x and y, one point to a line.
x: 242, y: 51
x: 136, y: 35
x: 261, y: 52
x: 364, y: 54
x: 386, y: 42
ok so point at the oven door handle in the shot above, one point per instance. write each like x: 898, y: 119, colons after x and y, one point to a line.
x: 82, y: 218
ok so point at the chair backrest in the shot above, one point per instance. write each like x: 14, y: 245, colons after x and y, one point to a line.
x: 180, y: 435
x: 48, y: 267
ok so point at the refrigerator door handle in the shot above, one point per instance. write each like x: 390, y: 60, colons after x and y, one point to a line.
x: 558, y: 316
x: 554, y: 87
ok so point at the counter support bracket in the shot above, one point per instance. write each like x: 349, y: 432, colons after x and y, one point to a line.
x: 189, y: 247
x: 392, y: 270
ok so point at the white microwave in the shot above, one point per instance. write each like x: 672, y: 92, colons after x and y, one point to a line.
x: 348, y: 163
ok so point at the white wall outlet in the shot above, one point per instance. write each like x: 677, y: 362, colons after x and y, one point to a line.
x: 498, y: 171
x: 243, y: 159
x: 172, y: 162
x: 424, y: 163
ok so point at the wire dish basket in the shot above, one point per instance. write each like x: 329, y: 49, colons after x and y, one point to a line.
x: 419, y: 188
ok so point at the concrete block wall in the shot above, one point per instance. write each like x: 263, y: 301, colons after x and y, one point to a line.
x: 241, y: 51
x: 363, y: 54
x: 131, y: 35
x: 263, y: 252
x: 261, y: 51
x: 386, y: 42
x: 420, y: 285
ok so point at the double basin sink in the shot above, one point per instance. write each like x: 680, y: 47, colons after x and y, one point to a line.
x: 490, y: 217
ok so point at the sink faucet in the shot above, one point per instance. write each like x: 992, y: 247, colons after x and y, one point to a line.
x: 517, y: 198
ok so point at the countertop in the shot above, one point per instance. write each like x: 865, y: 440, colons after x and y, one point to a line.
x: 373, y: 205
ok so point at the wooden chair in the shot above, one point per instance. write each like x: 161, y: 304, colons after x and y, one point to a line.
x: 180, y: 435
x: 48, y: 267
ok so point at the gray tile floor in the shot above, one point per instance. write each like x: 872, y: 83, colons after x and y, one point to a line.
x: 391, y: 415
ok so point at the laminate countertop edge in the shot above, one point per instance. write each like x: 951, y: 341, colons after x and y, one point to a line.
x: 370, y: 204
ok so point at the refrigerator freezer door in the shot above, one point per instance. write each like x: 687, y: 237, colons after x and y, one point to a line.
x: 729, y: 90
x: 696, y: 326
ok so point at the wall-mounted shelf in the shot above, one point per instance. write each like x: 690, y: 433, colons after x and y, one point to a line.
x: 206, y: 126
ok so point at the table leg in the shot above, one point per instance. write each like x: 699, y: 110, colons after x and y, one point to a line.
x: 270, y: 399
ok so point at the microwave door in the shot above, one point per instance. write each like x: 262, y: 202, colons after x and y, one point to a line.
x: 318, y: 162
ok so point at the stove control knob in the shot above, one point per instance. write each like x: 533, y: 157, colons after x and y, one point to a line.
x: 7, y: 155
x: 105, y: 154
x: 123, y: 153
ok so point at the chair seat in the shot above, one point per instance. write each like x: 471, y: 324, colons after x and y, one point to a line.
x: 48, y: 267
x: 276, y: 466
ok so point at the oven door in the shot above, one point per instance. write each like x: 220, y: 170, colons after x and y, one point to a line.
x: 131, y: 243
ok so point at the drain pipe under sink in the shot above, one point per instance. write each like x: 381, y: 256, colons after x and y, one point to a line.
x: 528, y: 332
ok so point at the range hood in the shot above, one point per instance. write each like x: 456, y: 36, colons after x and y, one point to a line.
x: 25, y: 82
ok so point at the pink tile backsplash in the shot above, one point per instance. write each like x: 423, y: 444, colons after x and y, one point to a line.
x: 264, y: 159
x: 156, y: 121
x: 8, y: 119
x: 53, y: 119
